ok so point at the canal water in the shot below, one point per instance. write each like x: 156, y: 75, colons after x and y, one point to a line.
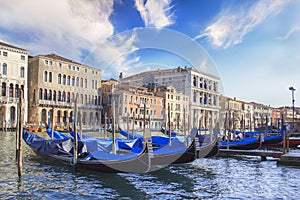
x: 210, y: 178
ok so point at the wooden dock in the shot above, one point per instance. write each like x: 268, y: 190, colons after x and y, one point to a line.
x: 289, y: 159
x: 262, y: 153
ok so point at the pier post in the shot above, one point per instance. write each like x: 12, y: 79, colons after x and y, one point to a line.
x: 20, y: 131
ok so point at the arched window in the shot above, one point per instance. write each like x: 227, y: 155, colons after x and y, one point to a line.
x: 81, y: 82
x: 22, y: 72
x: 64, y: 80
x: 4, y: 68
x: 45, y: 94
x: 59, y: 79
x: 17, y: 91
x: 85, y: 99
x: 50, y: 95
x: 11, y: 90
x: 3, y: 89
x: 63, y: 96
x: 65, y: 116
x: 68, y: 97
x: 68, y: 80
x: 77, y: 82
x: 45, y: 76
x: 58, y: 116
x: 44, y: 115
x: 73, y: 81
x: 54, y: 95
x: 59, y: 96
x: 12, y: 114
x: 71, y: 117
x: 81, y: 98
x: 41, y: 94
x: 85, y: 83
x: 50, y: 77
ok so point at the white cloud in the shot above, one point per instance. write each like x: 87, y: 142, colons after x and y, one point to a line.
x: 64, y: 27
x: 155, y: 13
x: 114, y: 55
x: 231, y: 27
x: 294, y: 29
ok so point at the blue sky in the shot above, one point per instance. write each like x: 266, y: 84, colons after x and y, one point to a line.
x: 252, y: 44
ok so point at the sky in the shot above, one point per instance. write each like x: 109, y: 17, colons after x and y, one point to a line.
x: 253, y: 45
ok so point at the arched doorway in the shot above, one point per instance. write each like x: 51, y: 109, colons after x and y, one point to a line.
x: 12, y: 117
x: 65, y: 117
x: 44, y: 116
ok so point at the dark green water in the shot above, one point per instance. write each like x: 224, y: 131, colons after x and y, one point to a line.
x: 213, y: 178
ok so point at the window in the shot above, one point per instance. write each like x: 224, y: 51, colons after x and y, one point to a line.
x: 96, y: 83
x: 50, y: 63
x: 81, y: 82
x: 68, y: 80
x: 50, y: 77
x: 73, y: 68
x: 45, y: 76
x: 4, y: 53
x: 22, y: 72
x: 22, y: 57
x: 73, y: 81
x: 59, y: 79
x: 86, y: 71
x: 50, y: 95
x: 59, y: 65
x: 93, y: 84
x: 77, y: 68
x: 4, y: 68
x: 46, y: 62
x: 69, y: 66
x: 41, y: 94
x: 3, y: 89
x: 85, y: 83
x: 77, y: 82
x: 54, y: 95
x: 64, y: 80
x: 45, y: 94
x: 11, y: 90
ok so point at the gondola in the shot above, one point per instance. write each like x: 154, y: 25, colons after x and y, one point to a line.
x: 246, y: 143
x: 208, y: 146
x: 165, y: 153
x: 61, y: 150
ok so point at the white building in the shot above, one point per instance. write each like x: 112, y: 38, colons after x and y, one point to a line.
x: 202, y: 89
x: 13, y: 77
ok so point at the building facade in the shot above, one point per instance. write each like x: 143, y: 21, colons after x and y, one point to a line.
x: 201, y: 88
x: 176, y: 107
x: 136, y: 107
x: 13, y: 77
x: 55, y: 83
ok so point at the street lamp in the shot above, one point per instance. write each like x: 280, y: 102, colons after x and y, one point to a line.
x: 293, y: 103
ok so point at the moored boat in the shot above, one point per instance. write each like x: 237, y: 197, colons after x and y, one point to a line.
x: 61, y: 150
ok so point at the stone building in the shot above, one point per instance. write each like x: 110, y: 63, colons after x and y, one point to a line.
x: 201, y: 88
x: 178, y: 104
x: 54, y: 83
x: 13, y: 77
x: 135, y: 107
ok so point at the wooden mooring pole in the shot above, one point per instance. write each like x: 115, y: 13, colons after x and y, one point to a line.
x: 74, y: 162
x: 20, y: 133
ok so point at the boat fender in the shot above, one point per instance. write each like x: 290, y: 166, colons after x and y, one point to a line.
x: 71, y: 162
